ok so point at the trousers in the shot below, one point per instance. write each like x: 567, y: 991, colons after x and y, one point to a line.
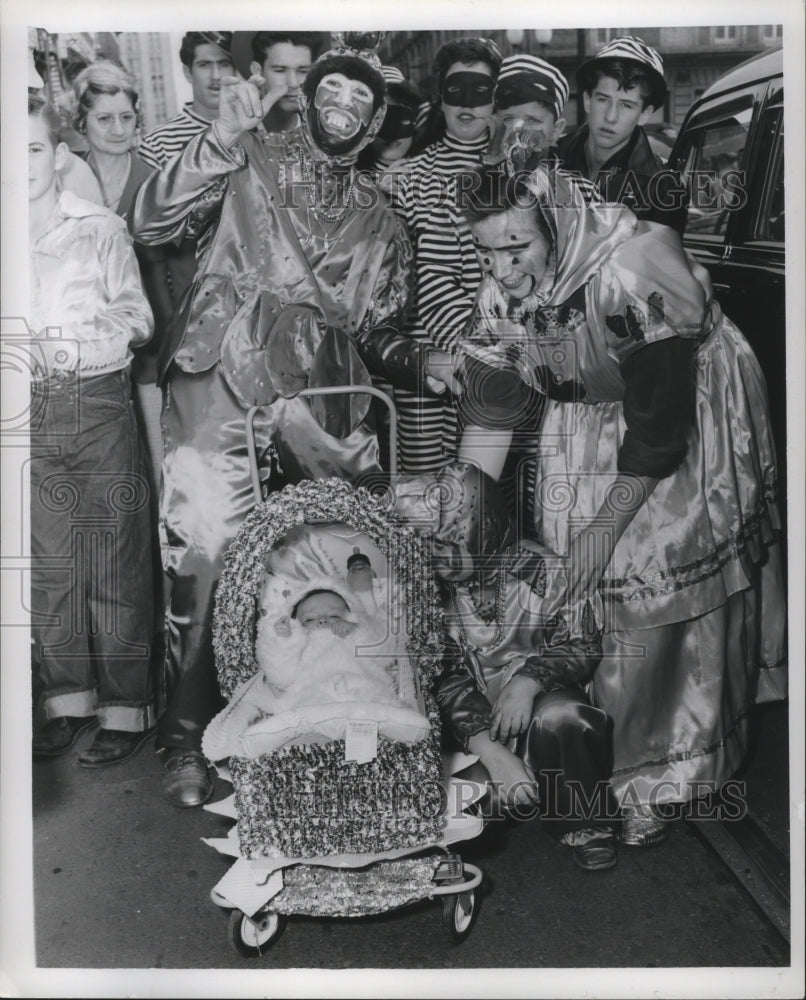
x: 92, y: 616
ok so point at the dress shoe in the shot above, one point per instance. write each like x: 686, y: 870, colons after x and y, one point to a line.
x: 111, y: 746
x: 596, y: 855
x: 641, y: 827
x: 186, y: 780
x: 58, y: 735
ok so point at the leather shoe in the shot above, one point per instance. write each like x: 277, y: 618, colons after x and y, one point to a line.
x: 642, y: 827
x: 58, y: 735
x: 186, y: 779
x: 112, y: 746
x: 596, y: 855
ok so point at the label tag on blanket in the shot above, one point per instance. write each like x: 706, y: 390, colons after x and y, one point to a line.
x: 361, y: 741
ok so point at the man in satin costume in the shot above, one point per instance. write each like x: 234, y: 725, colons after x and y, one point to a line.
x: 303, y: 278
x: 517, y: 660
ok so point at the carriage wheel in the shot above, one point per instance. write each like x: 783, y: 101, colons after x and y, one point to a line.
x: 459, y: 914
x: 253, y: 937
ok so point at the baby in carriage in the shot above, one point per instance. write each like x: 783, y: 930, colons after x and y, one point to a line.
x: 328, y: 651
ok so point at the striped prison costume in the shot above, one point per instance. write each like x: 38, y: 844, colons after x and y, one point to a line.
x: 427, y: 428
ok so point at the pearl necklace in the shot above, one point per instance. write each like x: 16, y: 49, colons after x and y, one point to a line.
x: 500, y: 595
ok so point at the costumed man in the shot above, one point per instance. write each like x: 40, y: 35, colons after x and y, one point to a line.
x: 301, y: 281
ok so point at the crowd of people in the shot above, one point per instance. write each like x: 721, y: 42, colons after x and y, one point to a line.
x: 608, y: 544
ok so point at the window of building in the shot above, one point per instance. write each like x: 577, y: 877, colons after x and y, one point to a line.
x: 772, y: 33
x: 603, y: 35
x: 725, y: 33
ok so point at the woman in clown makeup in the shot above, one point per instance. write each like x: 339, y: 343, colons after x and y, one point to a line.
x: 656, y: 473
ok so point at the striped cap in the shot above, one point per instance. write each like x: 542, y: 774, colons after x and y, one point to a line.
x: 524, y: 77
x: 392, y: 74
x: 633, y: 49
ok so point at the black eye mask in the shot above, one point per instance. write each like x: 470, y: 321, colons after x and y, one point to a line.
x: 398, y: 123
x: 468, y: 90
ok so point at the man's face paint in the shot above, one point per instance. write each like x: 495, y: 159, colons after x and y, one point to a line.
x: 343, y: 107
x: 467, y: 89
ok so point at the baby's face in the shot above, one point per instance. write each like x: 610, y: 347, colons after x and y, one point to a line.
x: 322, y: 611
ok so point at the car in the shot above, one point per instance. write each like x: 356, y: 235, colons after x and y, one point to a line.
x: 661, y: 136
x: 730, y: 152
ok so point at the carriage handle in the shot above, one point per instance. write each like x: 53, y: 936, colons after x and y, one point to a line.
x: 328, y: 390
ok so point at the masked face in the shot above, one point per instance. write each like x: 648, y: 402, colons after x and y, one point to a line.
x: 343, y: 110
x: 467, y: 100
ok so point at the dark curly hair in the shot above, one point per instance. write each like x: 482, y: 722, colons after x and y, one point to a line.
x: 191, y: 41
x: 262, y: 41
x: 626, y: 74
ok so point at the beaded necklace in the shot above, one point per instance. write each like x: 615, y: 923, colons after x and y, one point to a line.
x: 334, y: 213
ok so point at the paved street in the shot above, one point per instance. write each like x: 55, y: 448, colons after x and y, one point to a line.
x: 122, y: 881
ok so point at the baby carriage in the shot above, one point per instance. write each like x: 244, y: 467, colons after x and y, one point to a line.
x: 338, y: 812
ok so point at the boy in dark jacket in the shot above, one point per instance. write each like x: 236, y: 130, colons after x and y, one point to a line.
x: 621, y: 87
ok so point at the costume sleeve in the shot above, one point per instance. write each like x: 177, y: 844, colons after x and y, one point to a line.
x: 462, y: 705
x: 658, y: 408
x: 448, y: 274
x: 184, y: 198
x: 127, y: 314
x: 494, y: 397
x: 567, y: 660
x: 653, y: 315
x: 386, y: 351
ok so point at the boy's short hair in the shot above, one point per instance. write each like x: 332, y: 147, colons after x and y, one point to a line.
x: 627, y: 75
x: 262, y: 41
x: 467, y: 51
x: 193, y: 39
x: 38, y: 107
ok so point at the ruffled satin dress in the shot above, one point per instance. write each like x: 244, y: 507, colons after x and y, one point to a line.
x: 693, y: 597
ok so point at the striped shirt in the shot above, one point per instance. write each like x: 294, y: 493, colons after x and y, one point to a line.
x: 166, y: 140
x: 425, y: 183
x: 427, y: 427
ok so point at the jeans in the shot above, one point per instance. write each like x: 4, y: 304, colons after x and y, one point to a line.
x: 91, y: 582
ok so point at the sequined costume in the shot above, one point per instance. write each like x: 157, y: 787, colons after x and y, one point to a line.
x: 693, y: 595
x: 284, y: 293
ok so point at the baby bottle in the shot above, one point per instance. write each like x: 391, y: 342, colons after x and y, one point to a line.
x: 359, y: 572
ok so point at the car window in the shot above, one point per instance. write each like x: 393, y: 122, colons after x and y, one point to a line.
x: 771, y: 218
x: 711, y: 163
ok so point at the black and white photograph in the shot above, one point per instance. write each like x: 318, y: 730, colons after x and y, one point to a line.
x: 402, y: 500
